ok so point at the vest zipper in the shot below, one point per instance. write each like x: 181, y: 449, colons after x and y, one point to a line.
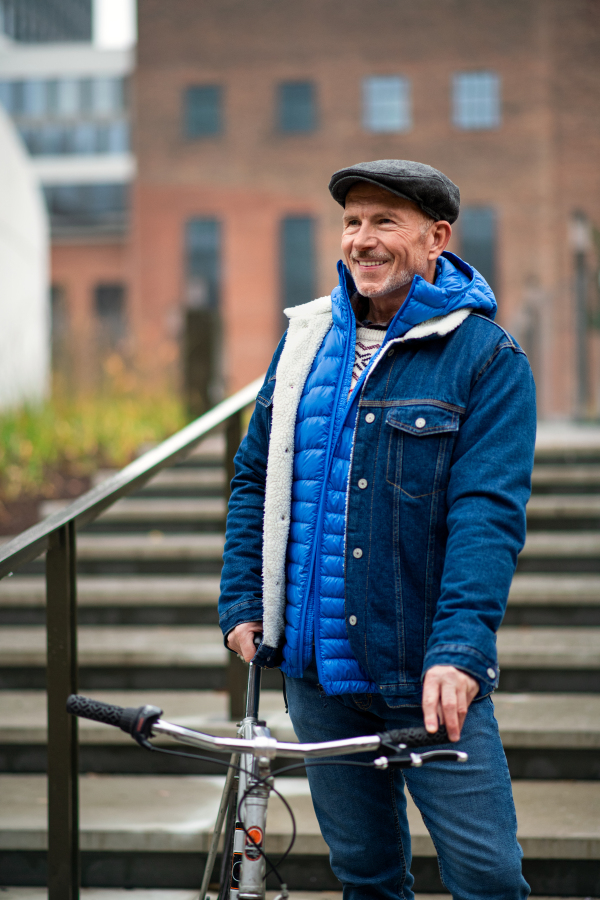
x: 313, y: 583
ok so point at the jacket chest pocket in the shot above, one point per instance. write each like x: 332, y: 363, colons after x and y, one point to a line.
x: 420, y: 441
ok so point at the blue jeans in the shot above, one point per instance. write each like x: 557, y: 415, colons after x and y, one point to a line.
x: 467, y: 807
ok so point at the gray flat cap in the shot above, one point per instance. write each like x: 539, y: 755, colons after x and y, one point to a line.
x: 429, y: 188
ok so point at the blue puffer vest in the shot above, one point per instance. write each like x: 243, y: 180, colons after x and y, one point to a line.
x: 324, y: 434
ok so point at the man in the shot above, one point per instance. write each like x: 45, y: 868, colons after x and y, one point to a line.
x: 376, y: 516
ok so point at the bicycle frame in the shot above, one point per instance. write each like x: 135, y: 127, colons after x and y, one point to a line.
x: 249, y: 775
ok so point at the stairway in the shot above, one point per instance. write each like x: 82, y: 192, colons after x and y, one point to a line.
x: 147, y: 590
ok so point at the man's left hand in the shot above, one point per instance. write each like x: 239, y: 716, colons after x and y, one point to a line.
x: 447, y: 695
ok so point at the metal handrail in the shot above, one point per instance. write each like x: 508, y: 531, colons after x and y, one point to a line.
x: 57, y: 536
x: 30, y: 543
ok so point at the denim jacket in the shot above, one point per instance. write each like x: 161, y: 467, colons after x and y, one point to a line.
x: 444, y: 437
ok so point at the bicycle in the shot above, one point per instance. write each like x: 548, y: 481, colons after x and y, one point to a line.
x: 243, y: 806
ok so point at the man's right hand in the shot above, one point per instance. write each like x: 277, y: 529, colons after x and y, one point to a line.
x: 241, y: 639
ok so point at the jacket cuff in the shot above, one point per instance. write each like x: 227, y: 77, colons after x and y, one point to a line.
x: 268, y: 657
x: 486, y: 671
x: 246, y: 611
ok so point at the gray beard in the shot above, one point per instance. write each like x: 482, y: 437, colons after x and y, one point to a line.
x: 392, y: 283
x: 397, y: 280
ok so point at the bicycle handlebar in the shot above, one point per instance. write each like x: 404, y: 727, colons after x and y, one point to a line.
x: 144, y: 722
x: 136, y: 721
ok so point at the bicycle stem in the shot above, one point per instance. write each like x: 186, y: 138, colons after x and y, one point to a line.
x: 253, y: 691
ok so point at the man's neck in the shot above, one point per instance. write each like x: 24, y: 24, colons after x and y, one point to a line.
x: 379, y: 310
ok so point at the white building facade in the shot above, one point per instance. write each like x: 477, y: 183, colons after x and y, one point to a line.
x: 24, y: 295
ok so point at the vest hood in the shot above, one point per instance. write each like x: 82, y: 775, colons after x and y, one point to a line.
x: 457, y: 286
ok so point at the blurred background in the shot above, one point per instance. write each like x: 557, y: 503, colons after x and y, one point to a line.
x: 163, y: 194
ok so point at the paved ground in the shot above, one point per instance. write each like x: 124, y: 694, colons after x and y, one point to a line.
x: 140, y: 894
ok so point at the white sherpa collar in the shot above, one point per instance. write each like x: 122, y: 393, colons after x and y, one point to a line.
x: 439, y: 325
x: 308, y: 310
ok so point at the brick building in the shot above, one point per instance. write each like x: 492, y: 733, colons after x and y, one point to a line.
x: 243, y: 110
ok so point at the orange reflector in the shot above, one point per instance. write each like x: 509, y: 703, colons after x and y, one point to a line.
x: 256, y: 834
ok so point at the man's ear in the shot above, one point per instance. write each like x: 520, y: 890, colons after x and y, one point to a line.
x: 439, y: 234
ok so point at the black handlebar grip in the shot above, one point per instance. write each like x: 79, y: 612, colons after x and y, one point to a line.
x: 86, y: 708
x: 415, y: 737
x: 136, y: 721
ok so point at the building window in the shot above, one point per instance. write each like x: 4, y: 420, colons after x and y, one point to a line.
x: 47, y: 21
x: 109, y: 306
x: 476, y: 100
x: 203, y: 110
x: 203, y: 263
x: 386, y: 103
x: 296, y: 107
x: 98, y: 206
x: 297, y: 260
x: 69, y: 115
x: 477, y: 232
x: 202, y: 334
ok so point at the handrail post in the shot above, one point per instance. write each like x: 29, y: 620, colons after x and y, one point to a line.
x: 237, y: 672
x: 61, y: 680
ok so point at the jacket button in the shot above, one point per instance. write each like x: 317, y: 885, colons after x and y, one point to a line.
x: 491, y: 672
x: 391, y: 352
x: 362, y: 483
x: 420, y: 422
x: 370, y: 417
x: 353, y: 620
x: 357, y: 553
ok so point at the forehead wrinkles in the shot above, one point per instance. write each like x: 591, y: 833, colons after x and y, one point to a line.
x: 376, y: 203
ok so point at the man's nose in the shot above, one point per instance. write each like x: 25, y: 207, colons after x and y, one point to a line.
x: 365, y: 238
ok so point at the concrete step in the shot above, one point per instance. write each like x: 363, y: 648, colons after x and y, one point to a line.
x: 554, y: 600
x: 527, y: 590
x: 575, y: 552
x: 110, y: 600
x: 151, y: 552
x: 127, y: 590
x: 522, y: 647
x: 551, y: 600
x: 552, y: 590
x: 153, y: 545
x: 564, y: 506
x: 578, y: 477
x: 23, y: 715
x: 563, y: 544
x: 211, y: 449
x: 551, y: 660
x: 122, y: 646
x: 566, y: 439
x: 179, y: 479
x: 175, y: 814
x: 152, y: 510
x: 545, y: 736
x: 563, y: 512
x: 547, y: 648
x: 122, y: 657
x: 566, y: 721
x: 531, y: 659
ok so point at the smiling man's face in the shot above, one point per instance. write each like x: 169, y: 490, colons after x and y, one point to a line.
x: 386, y: 241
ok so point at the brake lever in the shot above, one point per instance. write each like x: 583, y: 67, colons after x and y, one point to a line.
x: 416, y: 760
